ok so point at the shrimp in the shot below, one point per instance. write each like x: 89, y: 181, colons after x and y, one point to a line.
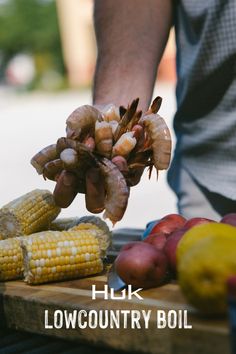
x: 114, y: 125
x: 82, y: 121
x: 160, y: 136
x: 76, y: 157
x: 155, y: 106
x: 125, y: 120
x: 103, y: 138
x: 52, y: 169
x: 117, y: 192
x: 45, y: 155
x: 110, y: 112
x: 134, y: 120
x: 89, y: 142
x: 69, y: 158
x: 67, y: 143
x: 124, y: 145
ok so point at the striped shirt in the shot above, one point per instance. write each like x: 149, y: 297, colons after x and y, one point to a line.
x: 205, y: 121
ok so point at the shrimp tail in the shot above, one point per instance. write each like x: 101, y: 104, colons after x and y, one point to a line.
x: 156, y: 105
x: 123, y: 123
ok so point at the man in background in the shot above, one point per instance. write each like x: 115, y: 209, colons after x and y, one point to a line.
x: 131, y: 37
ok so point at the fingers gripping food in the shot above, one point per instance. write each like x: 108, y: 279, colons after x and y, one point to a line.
x: 119, y: 141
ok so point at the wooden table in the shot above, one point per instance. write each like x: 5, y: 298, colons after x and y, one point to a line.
x: 23, y: 307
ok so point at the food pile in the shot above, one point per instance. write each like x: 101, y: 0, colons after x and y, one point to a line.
x: 38, y: 247
x: 199, y: 252
x: 119, y: 142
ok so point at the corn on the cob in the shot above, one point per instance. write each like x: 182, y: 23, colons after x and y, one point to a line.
x: 30, y: 213
x: 96, y: 221
x: 103, y: 237
x: 54, y: 255
x: 85, y: 223
x: 62, y: 224
x: 11, y: 259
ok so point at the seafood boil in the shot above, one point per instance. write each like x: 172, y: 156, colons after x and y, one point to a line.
x: 118, y: 142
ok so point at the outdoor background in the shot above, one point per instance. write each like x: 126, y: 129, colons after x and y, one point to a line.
x: 47, y: 59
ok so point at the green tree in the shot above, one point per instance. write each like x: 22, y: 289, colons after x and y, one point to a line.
x: 30, y: 26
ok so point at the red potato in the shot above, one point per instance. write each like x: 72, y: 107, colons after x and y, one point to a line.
x: 171, y: 247
x: 141, y: 265
x: 156, y: 240
x: 229, y: 219
x: 168, y: 224
x: 196, y: 221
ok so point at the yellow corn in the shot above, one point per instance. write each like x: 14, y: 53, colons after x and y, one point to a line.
x: 62, y: 224
x: 86, y: 223
x: 85, y: 226
x: 91, y: 219
x: 96, y: 223
x: 54, y: 255
x: 30, y: 213
x: 103, y: 237
x: 11, y: 259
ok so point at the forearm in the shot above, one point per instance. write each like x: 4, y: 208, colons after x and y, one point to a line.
x: 131, y: 36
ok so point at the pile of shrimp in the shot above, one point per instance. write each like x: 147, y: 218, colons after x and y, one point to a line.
x: 106, y: 137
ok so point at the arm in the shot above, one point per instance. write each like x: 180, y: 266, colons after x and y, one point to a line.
x: 131, y: 37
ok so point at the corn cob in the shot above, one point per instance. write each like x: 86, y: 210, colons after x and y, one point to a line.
x: 103, y: 238
x: 11, y: 259
x: 85, y: 223
x: 54, y: 256
x: 62, y: 224
x: 30, y: 213
x: 96, y: 221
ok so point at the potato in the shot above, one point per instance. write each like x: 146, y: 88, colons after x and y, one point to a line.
x: 141, y: 265
x: 168, y: 224
x: 156, y: 240
x: 170, y: 248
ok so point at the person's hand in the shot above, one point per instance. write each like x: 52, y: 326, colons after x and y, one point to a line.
x: 68, y: 184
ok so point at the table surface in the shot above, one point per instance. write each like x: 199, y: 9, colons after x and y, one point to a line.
x: 23, y: 307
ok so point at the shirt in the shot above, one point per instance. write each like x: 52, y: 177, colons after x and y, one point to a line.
x: 205, y: 121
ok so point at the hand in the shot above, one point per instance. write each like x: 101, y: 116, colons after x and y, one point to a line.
x: 68, y: 184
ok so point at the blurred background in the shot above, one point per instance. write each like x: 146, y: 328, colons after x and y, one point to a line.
x: 47, y: 60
